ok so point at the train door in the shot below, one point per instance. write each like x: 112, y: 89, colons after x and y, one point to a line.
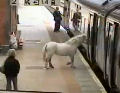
x: 112, y: 30
x: 117, y: 65
x: 109, y: 39
x: 90, y: 25
x: 92, y: 36
x: 100, y: 58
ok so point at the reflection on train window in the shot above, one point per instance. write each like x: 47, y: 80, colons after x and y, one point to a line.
x: 98, y: 21
x: 109, y: 35
x: 91, y: 23
x: 107, y: 29
x: 90, y: 27
x: 112, y: 32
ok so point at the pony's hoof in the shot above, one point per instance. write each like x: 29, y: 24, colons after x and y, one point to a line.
x: 68, y: 63
x: 46, y: 67
x: 51, y: 66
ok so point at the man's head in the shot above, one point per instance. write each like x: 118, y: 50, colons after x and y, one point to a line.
x: 11, y: 52
x: 78, y: 9
x: 57, y: 8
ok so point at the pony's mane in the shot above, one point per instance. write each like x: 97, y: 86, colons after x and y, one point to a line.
x: 74, y: 39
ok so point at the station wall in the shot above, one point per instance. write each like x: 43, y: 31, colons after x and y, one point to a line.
x: 4, y: 21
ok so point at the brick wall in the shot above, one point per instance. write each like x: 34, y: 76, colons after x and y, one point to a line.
x: 4, y: 21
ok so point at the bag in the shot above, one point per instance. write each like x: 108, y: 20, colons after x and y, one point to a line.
x: 13, y: 42
x: 15, y: 45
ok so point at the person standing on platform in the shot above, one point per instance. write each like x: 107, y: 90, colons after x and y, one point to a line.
x: 76, y: 19
x: 57, y: 18
x: 11, y: 69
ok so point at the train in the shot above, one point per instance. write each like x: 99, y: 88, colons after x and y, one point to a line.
x: 103, y: 40
x: 101, y: 25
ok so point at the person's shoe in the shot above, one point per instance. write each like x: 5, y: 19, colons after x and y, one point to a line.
x: 58, y: 30
x: 68, y: 28
x: 55, y: 31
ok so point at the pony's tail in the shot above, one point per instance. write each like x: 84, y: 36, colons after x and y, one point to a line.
x: 44, y: 52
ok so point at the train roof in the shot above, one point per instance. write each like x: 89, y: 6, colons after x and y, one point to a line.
x: 102, y: 6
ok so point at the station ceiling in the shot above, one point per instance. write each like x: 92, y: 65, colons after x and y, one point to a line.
x: 100, y: 2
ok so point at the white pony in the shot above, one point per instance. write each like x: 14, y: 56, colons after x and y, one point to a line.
x: 67, y: 48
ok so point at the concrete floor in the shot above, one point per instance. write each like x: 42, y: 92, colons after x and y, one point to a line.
x: 36, y: 25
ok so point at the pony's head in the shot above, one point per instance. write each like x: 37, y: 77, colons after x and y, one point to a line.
x: 82, y: 37
x: 77, y: 40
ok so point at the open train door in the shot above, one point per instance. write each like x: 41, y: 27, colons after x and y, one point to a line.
x: 92, y: 36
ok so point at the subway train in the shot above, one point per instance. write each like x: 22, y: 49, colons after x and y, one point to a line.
x: 103, y: 41
x: 102, y: 49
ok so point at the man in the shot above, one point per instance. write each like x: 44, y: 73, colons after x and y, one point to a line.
x: 57, y: 18
x: 76, y: 19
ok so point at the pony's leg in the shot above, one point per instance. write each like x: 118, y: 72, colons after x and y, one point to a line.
x: 50, y: 64
x: 72, y: 62
x: 72, y: 59
x: 46, y: 64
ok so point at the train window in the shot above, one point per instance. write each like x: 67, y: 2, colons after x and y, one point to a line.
x: 91, y: 22
x: 90, y: 25
x: 84, y: 22
x: 108, y: 28
x: 112, y: 32
x: 98, y: 21
x: 110, y: 35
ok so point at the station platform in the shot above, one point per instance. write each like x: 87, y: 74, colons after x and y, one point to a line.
x: 36, y: 26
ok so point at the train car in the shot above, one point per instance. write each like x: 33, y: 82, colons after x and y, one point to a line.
x: 103, y: 39
x: 103, y: 44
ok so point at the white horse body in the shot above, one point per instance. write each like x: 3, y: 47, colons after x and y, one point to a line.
x: 68, y: 48
x: 61, y: 49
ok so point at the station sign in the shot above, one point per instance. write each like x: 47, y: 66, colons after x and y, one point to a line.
x: 41, y: 2
x: 13, y: 2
